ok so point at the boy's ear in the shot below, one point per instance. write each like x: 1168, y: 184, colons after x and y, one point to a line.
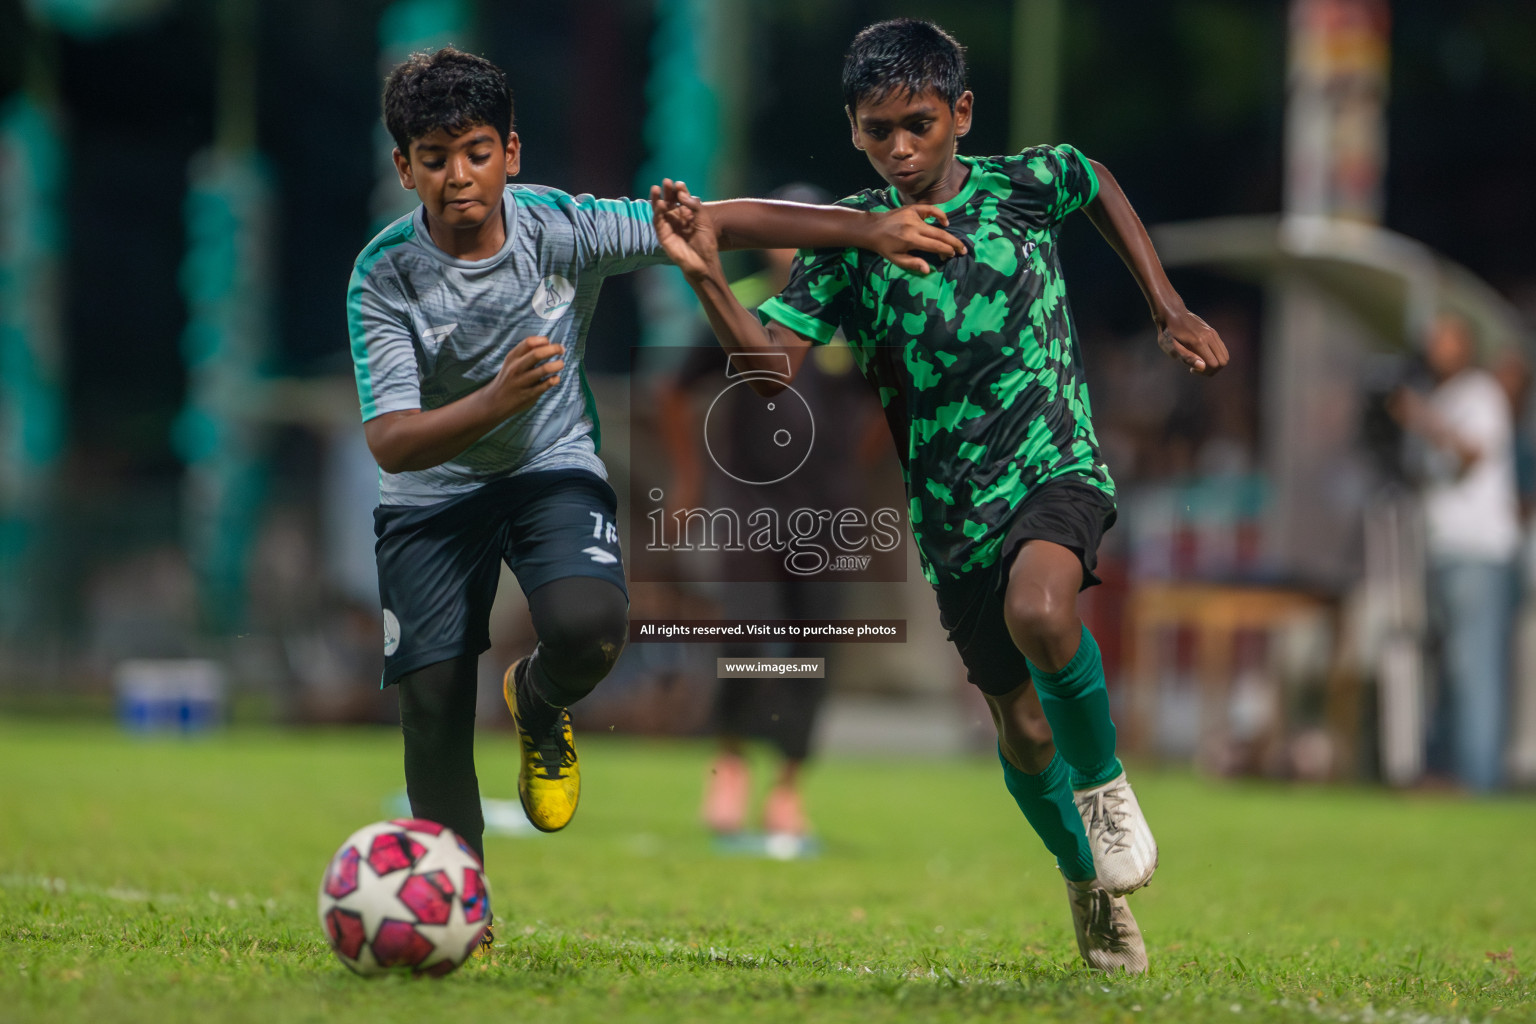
x: 514, y: 154
x: 403, y: 168
x: 963, y: 113
x: 853, y: 127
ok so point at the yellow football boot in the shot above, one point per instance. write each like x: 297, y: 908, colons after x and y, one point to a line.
x: 549, y: 781
x: 484, y: 949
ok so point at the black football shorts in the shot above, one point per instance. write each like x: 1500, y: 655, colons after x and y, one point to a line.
x: 1063, y: 511
x: 439, y: 563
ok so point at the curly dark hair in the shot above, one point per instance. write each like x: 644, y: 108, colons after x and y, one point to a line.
x: 907, y: 54
x: 449, y: 89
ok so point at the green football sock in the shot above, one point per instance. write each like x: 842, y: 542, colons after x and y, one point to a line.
x: 1046, y: 800
x: 1076, y: 704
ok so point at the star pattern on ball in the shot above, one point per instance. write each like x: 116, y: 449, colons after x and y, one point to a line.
x: 451, y: 939
x: 444, y: 853
x: 404, y: 893
x: 375, y: 904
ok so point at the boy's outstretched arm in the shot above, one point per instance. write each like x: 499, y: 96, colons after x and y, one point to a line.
x: 1180, y: 333
x: 896, y: 234
x: 685, y: 230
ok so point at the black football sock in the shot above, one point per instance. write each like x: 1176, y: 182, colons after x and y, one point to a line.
x: 535, y: 712
x: 437, y: 719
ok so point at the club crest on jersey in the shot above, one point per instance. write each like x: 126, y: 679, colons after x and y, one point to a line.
x: 553, y: 297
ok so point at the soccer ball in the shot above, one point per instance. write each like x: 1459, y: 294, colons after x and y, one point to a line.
x: 404, y: 894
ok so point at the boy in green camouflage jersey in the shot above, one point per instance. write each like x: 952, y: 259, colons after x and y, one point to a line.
x: 979, y: 373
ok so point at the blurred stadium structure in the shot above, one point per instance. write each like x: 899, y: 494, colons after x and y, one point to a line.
x: 184, y: 184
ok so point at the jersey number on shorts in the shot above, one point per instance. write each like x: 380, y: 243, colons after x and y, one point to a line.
x: 602, y: 530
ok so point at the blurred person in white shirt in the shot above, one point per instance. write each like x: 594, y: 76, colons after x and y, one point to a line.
x: 1471, y: 510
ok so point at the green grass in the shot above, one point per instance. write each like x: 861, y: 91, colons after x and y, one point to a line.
x: 166, y: 881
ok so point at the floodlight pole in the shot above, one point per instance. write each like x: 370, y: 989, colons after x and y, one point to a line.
x: 1335, y: 163
x: 1335, y: 153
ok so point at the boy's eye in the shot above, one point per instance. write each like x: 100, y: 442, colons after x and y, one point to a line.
x: 921, y: 127
x: 876, y: 133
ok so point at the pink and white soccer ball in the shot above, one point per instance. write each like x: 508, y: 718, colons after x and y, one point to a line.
x: 404, y: 894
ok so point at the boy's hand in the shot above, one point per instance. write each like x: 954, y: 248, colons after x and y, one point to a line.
x: 900, y: 234
x: 524, y: 375
x: 1192, y: 341
x: 684, y: 228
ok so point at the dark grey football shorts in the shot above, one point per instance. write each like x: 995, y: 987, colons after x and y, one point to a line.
x: 439, y: 563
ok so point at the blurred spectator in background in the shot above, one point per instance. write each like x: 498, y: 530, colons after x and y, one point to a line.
x: 779, y: 711
x: 1465, y: 431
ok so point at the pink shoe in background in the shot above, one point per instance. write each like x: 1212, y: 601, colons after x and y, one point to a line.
x: 784, y: 812
x: 725, y: 794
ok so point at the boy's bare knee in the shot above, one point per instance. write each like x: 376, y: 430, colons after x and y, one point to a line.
x: 1037, y: 616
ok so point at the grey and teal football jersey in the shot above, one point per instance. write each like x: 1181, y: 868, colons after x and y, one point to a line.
x: 428, y: 329
x: 977, y: 363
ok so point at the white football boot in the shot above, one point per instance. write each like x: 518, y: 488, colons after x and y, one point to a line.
x: 1107, y: 933
x: 1124, y: 852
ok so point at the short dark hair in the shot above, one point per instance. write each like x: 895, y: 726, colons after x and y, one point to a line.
x: 907, y: 54
x: 449, y: 89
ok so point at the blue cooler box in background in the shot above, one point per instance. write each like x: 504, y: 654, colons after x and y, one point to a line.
x: 169, y: 695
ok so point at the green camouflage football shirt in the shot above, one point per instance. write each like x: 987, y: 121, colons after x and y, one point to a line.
x: 976, y: 364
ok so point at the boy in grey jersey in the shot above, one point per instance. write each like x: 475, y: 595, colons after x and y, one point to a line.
x: 467, y: 319
x: 429, y: 328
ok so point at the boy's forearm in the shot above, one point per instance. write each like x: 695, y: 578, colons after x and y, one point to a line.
x: 770, y: 224
x: 740, y: 331
x: 1112, y: 214
x: 420, y: 439
x: 736, y: 328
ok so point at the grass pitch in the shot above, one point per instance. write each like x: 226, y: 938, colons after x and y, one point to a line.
x: 166, y: 881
